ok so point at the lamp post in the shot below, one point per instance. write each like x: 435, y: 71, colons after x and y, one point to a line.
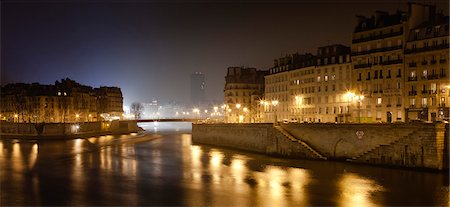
x: 359, y: 100
x: 275, y: 103
x: 349, y: 96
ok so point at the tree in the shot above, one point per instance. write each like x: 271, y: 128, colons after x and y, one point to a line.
x: 136, y: 109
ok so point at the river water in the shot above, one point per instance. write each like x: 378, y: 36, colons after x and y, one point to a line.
x: 164, y: 168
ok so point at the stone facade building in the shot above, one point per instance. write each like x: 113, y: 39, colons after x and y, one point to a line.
x: 244, y: 88
x: 278, y: 93
x: 333, y: 82
x: 427, y: 69
x: 310, y: 88
x: 65, y: 101
x: 377, y: 59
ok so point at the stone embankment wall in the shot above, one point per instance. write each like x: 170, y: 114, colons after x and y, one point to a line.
x: 66, y: 130
x: 409, y: 145
x: 261, y: 138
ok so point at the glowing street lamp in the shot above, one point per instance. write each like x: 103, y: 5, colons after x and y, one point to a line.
x: 238, y: 105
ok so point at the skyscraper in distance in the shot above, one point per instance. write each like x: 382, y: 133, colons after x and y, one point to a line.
x: 198, y: 87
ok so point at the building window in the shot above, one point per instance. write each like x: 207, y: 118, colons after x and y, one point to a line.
x: 413, y: 74
x: 399, y: 114
x: 378, y: 101
x: 378, y: 115
x: 369, y: 114
x: 325, y: 78
x: 425, y: 73
x: 424, y: 102
x: 318, y: 78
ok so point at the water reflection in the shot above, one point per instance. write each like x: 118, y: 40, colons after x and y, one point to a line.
x: 358, y: 191
x: 116, y: 170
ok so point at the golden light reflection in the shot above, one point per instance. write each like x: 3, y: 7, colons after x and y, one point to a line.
x: 238, y: 170
x: 185, y: 140
x: 215, y: 164
x: 357, y: 191
x: 16, y: 155
x: 1, y: 149
x: 299, y: 178
x: 33, y: 155
x: 196, y: 163
x: 270, y: 186
x: 77, y: 146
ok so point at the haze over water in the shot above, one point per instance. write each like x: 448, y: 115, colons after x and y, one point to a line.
x: 165, y: 168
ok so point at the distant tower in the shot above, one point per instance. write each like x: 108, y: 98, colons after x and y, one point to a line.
x: 197, y: 88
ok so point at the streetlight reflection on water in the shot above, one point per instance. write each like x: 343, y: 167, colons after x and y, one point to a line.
x: 112, y: 170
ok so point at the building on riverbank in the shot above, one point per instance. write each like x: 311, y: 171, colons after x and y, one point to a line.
x: 427, y: 68
x: 64, y: 102
x: 244, y: 88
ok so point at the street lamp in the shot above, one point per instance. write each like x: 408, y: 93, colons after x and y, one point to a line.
x: 275, y: 103
x: 349, y: 96
x: 359, y: 99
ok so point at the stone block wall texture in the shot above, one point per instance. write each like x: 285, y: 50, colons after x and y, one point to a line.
x: 409, y: 145
x: 61, y: 129
x: 260, y: 138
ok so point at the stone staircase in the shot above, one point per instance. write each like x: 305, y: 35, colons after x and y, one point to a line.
x: 293, y: 139
x: 383, y: 145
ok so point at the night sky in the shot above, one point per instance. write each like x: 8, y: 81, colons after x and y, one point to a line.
x: 149, y: 48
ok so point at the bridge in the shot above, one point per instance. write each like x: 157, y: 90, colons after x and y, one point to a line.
x: 169, y: 120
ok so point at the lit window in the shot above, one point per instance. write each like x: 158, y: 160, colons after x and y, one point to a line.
x: 318, y: 78
x: 424, y: 102
x: 412, y: 101
x: 378, y: 114
x: 378, y: 101
x: 413, y: 74
x: 425, y: 73
x: 59, y: 93
x: 325, y: 78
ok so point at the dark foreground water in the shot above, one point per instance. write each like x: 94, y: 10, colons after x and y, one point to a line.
x: 164, y: 168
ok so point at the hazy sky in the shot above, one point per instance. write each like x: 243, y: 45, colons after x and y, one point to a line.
x: 149, y: 48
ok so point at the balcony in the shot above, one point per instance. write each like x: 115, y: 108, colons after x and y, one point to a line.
x: 412, y: 93
x: 368, y: 78
x: 442, y: 105
x: 412, y: 78
x: 389, y: 105
x: 432, y: 92
x: 383, y: 49
x: 433, y: 62
x: 375, y: 37
x: 413, y: 65
x: 412, y: 106
x: 425, y: 49
x: 399, y: 105
x: 364, y: 65
x: 391, y: 62
x: 442, y: 61
x: 359, y: 79
x: 424, y: 62
x: 388, y: 77
x: 425, y: 92
x: 432, y: 76
x: 443, y: 75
